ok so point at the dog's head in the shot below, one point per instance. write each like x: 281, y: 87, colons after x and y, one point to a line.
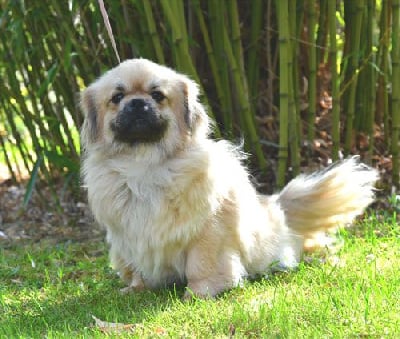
x: 142, y: 105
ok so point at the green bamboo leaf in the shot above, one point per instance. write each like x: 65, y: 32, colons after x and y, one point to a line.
x: 51, y: 74
x: 62, y: 161
x: 32, y: 181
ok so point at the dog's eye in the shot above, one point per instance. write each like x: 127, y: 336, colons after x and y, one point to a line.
x: 157, y: 96
x: 116, y: 98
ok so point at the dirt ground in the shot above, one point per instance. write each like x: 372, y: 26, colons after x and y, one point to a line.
x: 55, y: 216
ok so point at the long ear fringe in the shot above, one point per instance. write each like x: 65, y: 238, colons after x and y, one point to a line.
x: 89, y: 130
x: 196, y: 116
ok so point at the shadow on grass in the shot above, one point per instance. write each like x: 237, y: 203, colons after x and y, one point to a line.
x: 73, y: 313
x: 65, y: 288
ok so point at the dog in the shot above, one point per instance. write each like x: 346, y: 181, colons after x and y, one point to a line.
x: 178, y: 207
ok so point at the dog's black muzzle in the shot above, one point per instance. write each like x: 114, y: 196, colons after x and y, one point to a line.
x: 139, y: 121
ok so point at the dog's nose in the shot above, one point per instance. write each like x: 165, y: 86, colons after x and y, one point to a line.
x: 139, y: 104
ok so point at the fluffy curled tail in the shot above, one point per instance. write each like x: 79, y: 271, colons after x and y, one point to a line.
x: 329, y: 198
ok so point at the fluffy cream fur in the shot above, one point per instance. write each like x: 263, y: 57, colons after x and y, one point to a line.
x: 181, y: 209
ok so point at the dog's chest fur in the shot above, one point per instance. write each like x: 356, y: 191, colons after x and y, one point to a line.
x: 145, y: 211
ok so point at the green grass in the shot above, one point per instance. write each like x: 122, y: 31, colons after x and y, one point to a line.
x: 53, y: 291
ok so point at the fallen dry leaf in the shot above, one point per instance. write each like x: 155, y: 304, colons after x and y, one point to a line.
x: 160, y: 331
x: 232, y: 330
x: 107, y: 327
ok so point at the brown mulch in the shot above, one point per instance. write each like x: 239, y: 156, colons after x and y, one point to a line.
x: 56, y: 217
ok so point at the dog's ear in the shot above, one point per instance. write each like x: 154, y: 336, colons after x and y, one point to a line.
x: 90, y: 130
x: 195, y: 115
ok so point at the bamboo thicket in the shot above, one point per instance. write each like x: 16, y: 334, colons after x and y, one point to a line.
x: 301, y: 81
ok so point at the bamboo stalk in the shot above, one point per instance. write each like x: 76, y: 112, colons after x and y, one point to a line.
x: 312, y: 81
x: 235, y: 33
x: 180, y: 40
x: 284, y: 59
x: 354, y: 62
x: 244, y: 105
x: 322, y: 31
x: 382, y: 100
x: 153, y: 31
x: 253, y: 60
x: 217, y: 21
x: 371, y: 78
x: 236, y: 43
x: 268, y: 58
x: 294, y: 104
x: 129, y: 30
x: 347, y: 73
x: 298, y: 78
x: 300, y: 18
x: 334, y: 81
x: 395, y: 92
x: 7, y: 158
x: 221, y: 94
x: 360, y: 100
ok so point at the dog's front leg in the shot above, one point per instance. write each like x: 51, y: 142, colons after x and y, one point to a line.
x: 132, y: 279
x: 128, y: 274
x: 211, y: 266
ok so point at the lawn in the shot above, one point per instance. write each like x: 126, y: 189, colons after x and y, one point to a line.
x: 58, y: 291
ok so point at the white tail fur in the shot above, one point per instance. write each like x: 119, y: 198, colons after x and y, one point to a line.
x: 329, y: 198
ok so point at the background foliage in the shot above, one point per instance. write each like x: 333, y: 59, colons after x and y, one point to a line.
x: 302, y: 81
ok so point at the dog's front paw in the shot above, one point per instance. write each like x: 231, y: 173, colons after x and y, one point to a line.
x: 201, y: 289
x: 131, y: 289
x: 189, y: 295
x: 136, y: 285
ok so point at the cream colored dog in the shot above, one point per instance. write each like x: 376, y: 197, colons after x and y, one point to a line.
x: 178, y: 207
